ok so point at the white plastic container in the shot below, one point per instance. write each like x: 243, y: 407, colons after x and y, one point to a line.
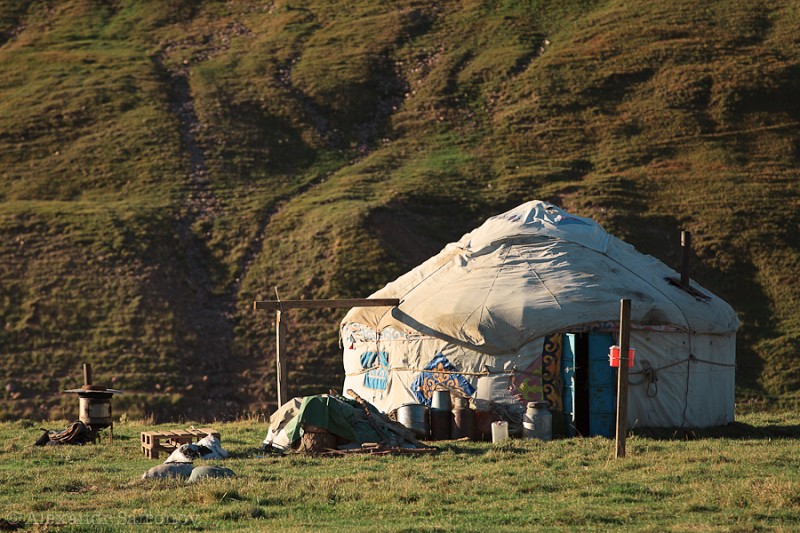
x: 499, y: 431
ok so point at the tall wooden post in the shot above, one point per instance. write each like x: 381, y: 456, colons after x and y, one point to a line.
x: 622, y: 383
x: 280, y: 358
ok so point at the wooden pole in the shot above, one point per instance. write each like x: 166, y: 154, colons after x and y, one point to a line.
x: 280, y: 358
x: 686, y: 249
x: 325, y: 304
x: 622, y: 383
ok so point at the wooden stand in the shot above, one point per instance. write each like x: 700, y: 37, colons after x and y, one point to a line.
x: 95, y: 434
x: 154, y: 442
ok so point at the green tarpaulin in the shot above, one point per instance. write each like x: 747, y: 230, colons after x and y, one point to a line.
x: 339, y: 415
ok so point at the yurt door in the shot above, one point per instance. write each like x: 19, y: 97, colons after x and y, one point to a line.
x: 568, y: 378
x: 602, y: 386
x: 589, y: 384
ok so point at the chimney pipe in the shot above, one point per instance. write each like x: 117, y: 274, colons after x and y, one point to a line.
x: 87, y: 374
x: 686, y: 248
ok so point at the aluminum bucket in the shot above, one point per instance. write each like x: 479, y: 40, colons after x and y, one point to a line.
x: 414, y: 416
x: 440, y: 400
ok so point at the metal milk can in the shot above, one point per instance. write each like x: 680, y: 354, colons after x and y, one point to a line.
x: 537, y: 422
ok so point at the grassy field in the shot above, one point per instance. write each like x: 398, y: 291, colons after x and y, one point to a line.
x: 165, y: 163
x: 742, y: 477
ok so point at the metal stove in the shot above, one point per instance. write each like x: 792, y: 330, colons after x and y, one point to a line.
x: 95, y: 405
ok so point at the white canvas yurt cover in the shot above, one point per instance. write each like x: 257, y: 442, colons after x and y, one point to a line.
x: 493, y: 315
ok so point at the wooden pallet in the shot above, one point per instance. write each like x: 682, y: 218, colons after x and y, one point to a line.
x: 154, y: 442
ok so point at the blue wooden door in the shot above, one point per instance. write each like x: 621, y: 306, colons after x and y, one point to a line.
x: 602, y: 386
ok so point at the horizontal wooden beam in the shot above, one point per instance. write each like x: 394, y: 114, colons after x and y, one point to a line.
x: 276, y: 305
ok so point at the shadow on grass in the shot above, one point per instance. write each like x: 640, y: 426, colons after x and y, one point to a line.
x: 254, y: 453
x: 480, y: 447
x: 734, y: 430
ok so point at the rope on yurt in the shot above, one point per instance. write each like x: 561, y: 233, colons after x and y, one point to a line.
x: 489, y: 290
x: 433, y: 371
x: 650, y: 374
x: 688, y: 374
x: 706, y: 361
x: 484, y: 372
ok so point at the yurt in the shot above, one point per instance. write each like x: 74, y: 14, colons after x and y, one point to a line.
x: 526, y: 307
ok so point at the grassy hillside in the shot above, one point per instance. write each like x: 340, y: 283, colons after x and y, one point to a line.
x: 165, y: 163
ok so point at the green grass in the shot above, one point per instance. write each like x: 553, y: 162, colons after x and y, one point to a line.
x: 163, y: 164
x: 739, y: 477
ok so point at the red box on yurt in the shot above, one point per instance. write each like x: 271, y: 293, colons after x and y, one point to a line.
x: 613, y: 357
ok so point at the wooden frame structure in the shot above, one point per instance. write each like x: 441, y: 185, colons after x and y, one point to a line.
x: 280, y: 326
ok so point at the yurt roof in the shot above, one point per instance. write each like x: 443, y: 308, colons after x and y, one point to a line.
x: 536, y: 270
